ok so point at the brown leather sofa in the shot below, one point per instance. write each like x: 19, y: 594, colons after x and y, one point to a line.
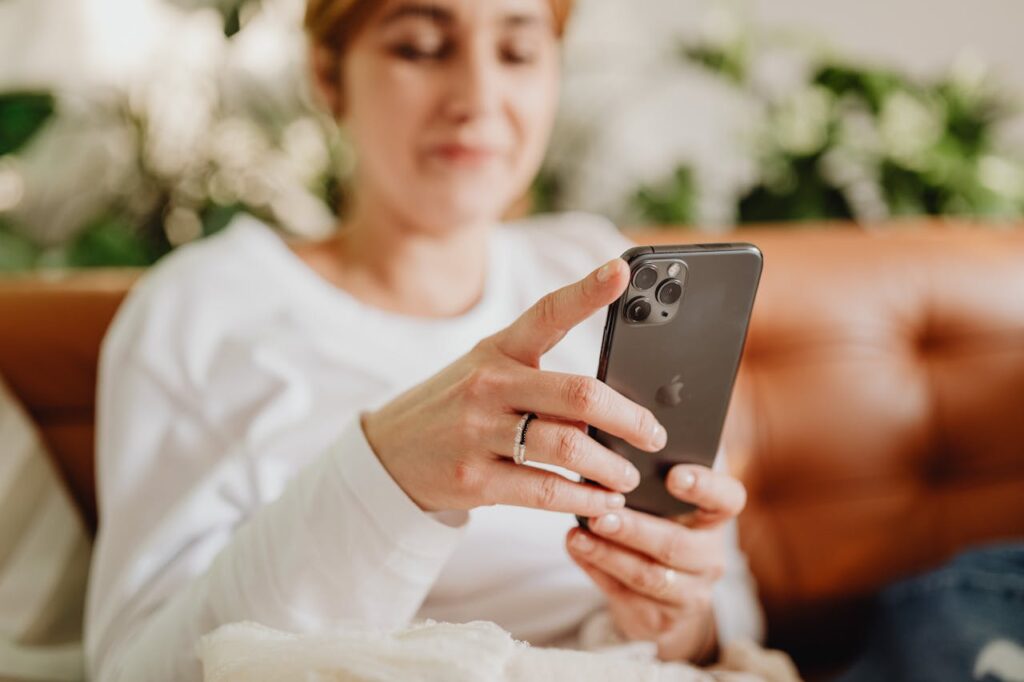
x: 878, y: 420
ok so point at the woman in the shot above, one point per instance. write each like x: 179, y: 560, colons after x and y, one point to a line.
x: 304, y: 437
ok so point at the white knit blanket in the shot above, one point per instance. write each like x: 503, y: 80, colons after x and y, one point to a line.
x: 480, y: 651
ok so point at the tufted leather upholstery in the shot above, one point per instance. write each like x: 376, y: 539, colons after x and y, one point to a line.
x: 878, y: 420
x: 879, y: 416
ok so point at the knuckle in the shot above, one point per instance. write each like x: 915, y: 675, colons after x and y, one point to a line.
x: 468, y: 477
x: 570, y: 448
x: 644, y: 422
x: 548, y: 492
x: 674, y: 550
x: 715, y: 571
x: 481, y: 382
x: 485, y: 345
x: 645, y: 579
x: 581, y: 394
x: 470, y: 431
x: 547, y: 310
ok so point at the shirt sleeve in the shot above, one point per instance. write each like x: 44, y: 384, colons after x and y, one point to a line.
x: 183, y: 547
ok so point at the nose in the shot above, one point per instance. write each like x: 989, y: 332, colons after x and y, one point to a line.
x: 476, y: 84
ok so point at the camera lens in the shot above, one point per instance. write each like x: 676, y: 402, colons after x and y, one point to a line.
x: 638, y: 309
x: 644, y: 277
x: 669, y: 291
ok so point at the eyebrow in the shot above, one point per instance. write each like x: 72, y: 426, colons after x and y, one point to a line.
x: 514, y: 20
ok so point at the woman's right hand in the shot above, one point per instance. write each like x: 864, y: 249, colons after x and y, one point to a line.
x: 448, y: 441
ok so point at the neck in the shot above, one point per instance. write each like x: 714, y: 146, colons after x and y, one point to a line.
x: 390, y: 261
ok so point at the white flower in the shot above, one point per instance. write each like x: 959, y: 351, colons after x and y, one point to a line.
x: 802, y: 121
x: 1001, y: 176
x: 12, y: 184
x: 909, y: 127
x: 305, y: 147
x: 235, y: 143
x: 182, y: 225
x: 72, y: 170
x: 969, y: 72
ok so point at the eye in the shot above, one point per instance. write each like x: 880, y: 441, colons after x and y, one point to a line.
x: 520, y: 51
x: 422, y: 50
x: 516, y: 56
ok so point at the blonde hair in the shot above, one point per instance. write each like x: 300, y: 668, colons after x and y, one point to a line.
x: 333, y: 23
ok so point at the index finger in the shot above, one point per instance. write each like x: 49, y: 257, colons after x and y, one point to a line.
x: 544, y: 324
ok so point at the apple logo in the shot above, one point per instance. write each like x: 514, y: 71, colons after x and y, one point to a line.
x: 670, y: 394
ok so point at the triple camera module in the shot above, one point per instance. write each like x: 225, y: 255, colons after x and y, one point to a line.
x: 655, y: 289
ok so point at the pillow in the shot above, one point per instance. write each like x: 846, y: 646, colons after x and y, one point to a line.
x: 44, y: 558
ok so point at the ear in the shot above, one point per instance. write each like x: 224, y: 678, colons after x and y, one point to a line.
x: 325, y: 63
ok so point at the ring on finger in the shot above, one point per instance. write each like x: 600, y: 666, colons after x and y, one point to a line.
x: 670, y: 578
x: 519, y: 446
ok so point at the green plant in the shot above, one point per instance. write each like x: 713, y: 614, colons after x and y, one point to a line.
x: 870, y: 143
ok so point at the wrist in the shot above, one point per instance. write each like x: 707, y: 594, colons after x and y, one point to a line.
x: 368, y: 422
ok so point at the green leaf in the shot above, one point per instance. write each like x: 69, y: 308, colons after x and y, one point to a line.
x: 17, y: 252
x: 22, y: 114
x: 216, y: 217
x: 108, y: 242
x: 808, y: 197
x: 673, y: 202
x: 731, y: 64
x: 545, y: 192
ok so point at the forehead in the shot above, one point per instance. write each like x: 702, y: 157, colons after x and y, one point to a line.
x: 464, y: 11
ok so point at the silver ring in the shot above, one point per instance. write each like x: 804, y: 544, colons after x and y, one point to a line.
x: 519, y: 446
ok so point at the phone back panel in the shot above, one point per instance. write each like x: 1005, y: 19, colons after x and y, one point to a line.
x: 684, y: 369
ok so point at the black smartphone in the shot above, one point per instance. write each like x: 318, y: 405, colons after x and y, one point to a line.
x: 672, y: 343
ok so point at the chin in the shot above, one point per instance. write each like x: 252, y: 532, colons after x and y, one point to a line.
x: 445, y: 210
x: 445, y: 218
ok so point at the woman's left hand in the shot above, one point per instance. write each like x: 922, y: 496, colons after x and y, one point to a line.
x: 658, y: 573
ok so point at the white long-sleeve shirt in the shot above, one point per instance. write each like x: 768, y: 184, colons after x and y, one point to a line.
x: 235, y: 482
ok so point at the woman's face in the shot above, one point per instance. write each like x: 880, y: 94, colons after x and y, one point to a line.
x: 449, y: 104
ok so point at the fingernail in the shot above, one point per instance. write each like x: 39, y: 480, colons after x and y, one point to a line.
x: 659, y: 435
x: 631, y: 475
x: 605, y: 271
x: 616, y: 500
x: 583, y: 543
x: 608, y: 523
x: 686, y: 480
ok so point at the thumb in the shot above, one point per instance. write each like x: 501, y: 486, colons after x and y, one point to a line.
x: 544, y: 324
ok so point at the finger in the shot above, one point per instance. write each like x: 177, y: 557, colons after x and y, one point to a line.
x: 664, y: 541
x: 575, y: 397
x: 647, y: 617
x: 640, y: 573
x: 609, y: 585
x: 563, y: 444
x: 544, y: 324
x: 525, y: 486
x: 717, y: 495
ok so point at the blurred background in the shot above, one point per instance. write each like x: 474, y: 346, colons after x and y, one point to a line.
x: 877, y: 146
x: 129, y: 127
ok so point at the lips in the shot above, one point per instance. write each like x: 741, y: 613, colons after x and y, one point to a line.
x: 464, y: 154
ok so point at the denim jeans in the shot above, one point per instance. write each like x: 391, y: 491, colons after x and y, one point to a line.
x: 963, y: 621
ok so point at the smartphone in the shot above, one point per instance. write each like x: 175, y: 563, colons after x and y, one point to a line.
x: 672, y: 343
